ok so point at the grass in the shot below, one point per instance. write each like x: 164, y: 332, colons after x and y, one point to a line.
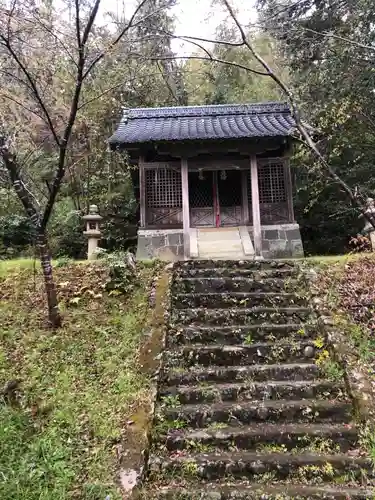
x: 327, y: 260
x: 17, y: 264
x: 62, y: 428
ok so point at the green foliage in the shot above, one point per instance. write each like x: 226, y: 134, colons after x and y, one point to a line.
x: 332, y: 75
x: 249, y: 339
x: 16, y: 234
x: 213, y: 83
x: 92, y: 174
x: 170, y: 401
x: 113, y: 192
x: 66, y: 232
x: 77, y: 386
x: 367, y: 440
x: 122, y: 273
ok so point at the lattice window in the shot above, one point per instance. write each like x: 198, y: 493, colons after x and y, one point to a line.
x: 271, y: 180
x: 163, y: 188
x: 201, y: 189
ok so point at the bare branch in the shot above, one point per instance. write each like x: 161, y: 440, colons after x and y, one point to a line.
x: 60, y: 172
x: 27, y: 199
x: 17, y: 79
x: 108, y: 90
x: 58, y: 39
x: 122, y: 33
x: 296, y: 115
x: 199, y: 39
x: 10, y: 16
x: 90, y: 21
x: 10, y: 98
x: 342, y: 38
x: 209, y: 58
x: 78, y: 27
x: 33, y: 86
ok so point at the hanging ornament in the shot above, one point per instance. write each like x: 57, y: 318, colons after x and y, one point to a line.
x: 223, y: 175
x: 200, y: 175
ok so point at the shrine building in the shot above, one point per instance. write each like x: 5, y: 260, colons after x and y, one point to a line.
x: 212, y: 182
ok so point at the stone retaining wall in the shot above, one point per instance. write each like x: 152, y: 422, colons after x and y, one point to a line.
x: 164, y: 244
x: 281, y: 240
x: 278, y: 241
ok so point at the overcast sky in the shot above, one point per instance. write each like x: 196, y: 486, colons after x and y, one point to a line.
x: 198, y: 18
x: 194, y: 17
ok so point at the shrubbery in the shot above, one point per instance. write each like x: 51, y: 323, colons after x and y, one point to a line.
x: 16, y: 235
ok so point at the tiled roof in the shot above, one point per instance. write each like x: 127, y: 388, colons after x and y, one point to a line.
x: 203, y: 122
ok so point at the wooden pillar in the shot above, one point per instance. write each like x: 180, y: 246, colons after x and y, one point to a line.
x: 185, y: 206
x: 142, y: 191
x: 289, y: 191
x: 245, y: 198
x: 255, y: 206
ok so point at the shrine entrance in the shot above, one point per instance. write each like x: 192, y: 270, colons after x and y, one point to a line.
x: 215, y: 198
x: 212, y: 180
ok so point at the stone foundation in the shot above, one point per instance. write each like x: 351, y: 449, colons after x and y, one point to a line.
x: 281, y: 241
x: 278, y: 242
x: 163, y: 244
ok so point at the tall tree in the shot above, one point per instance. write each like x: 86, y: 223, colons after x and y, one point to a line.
x: 215, y: 83
x: 330, y: 47
x: 44, y: 96
x: 154, y: 34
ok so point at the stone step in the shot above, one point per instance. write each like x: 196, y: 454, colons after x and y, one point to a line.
x: 237, y: 272
x: 229, y: 355
x: 217, y: 300
x: 304, y: 410
x: 235, y: 264
x: 250, y: 391
x: 257, y: 491
x: 240, y: 284
x: 255, y: 315
x: 255, y: 373
x: 251, y: 465
x: 233, y: 252
x: 317, y: 438
x: 239, y: 334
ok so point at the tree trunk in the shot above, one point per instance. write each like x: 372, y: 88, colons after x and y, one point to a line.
x: 52, y: 302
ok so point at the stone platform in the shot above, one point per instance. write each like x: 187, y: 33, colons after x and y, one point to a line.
x: 233, y: 243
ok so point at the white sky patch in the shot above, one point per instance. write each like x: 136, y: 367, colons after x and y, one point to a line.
x: 195, y: 18
x: 199, y: 19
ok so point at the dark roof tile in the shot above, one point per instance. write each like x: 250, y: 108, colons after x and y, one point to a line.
x: 140, y: 125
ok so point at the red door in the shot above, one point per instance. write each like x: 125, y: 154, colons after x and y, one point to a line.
x: 216, y: 199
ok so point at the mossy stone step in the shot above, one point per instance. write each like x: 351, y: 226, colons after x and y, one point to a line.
x: 236, y: 284
x: 235, y: 272
x: 243, y: 316
x: 255, y: 491
x: 235, y: 264
x: 328, y: 438
x: 301, y: 467
x: 239, y: 334
x: 243, y: 411
x: 229, y: 355
x: 217, y: 300
x: 256, y: 373
x: 282, y: 411
x: 249, y: 391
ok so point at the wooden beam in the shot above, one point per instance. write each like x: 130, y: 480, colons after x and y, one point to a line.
x: 289, y: 190
x: 245, y: 198
x: 257, y: 231
x: 245, y: 147
x: 142, y: 191
x: 185, y: 206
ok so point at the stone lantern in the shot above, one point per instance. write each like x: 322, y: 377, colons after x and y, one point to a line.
x: 92, y: 232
